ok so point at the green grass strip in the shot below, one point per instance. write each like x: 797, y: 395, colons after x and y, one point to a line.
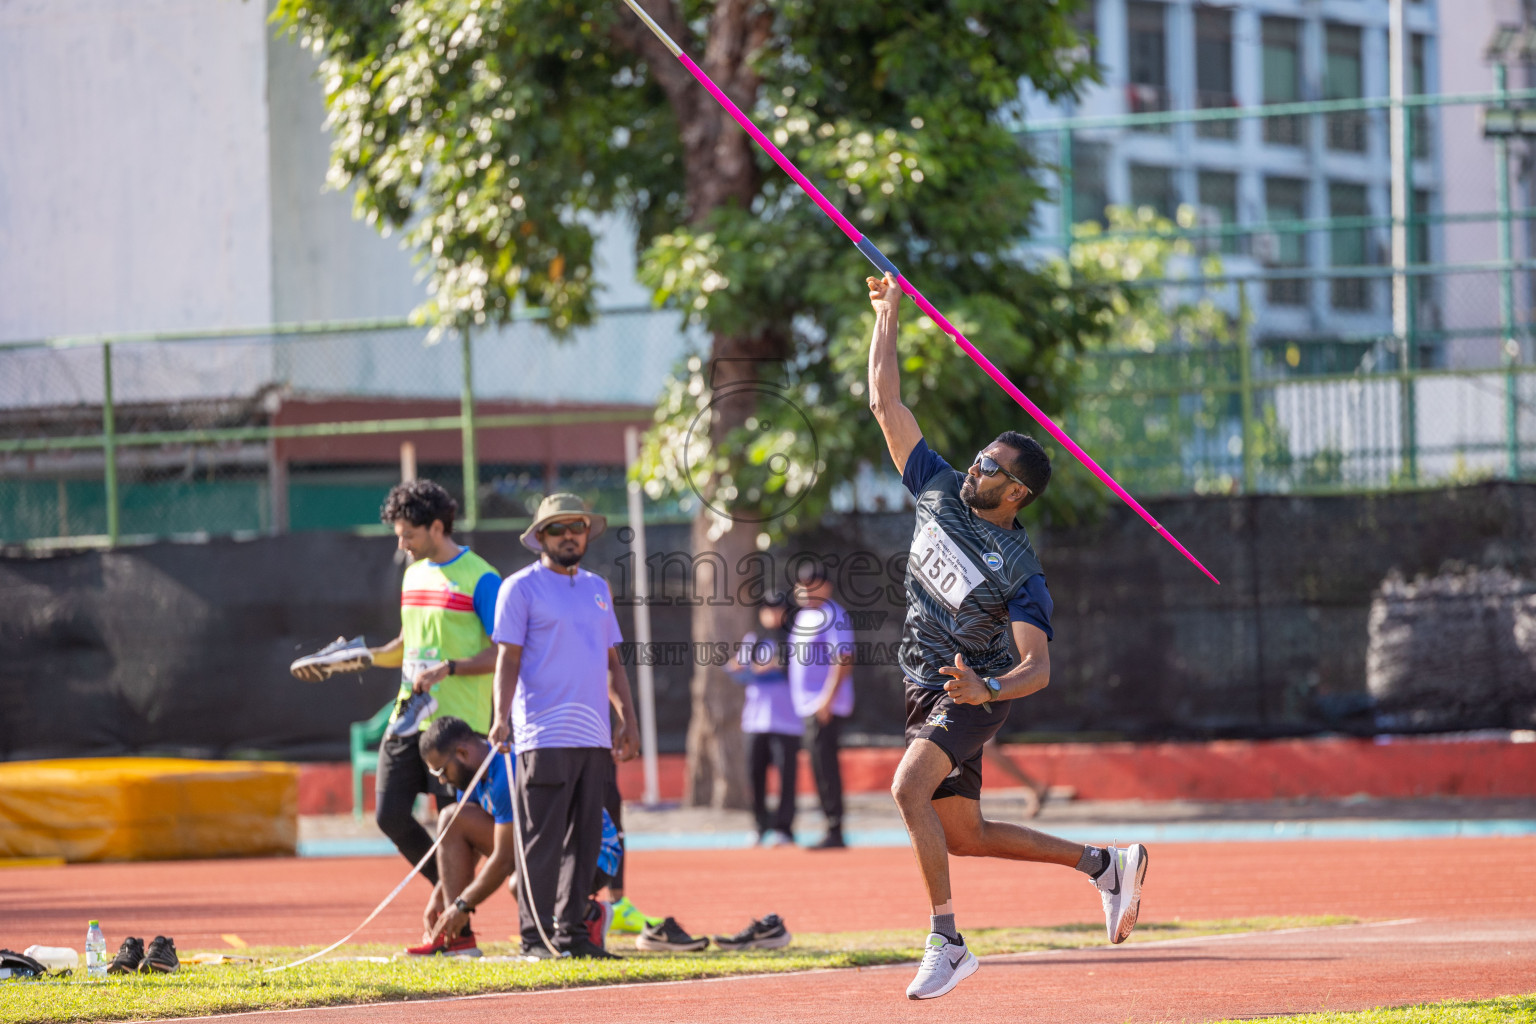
x: 1507, y: 1010
x: 227, y: 988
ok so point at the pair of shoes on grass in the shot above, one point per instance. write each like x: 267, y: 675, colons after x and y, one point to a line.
x: 669, y: 937
x: 767, y: 933
x: 133, y: 958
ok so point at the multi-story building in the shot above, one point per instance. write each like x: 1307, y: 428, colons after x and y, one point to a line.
x: 1184, y: 55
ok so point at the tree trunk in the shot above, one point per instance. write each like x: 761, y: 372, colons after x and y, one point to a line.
x: 717, y: 760
x: 717, y: 775
x: 720, y: 170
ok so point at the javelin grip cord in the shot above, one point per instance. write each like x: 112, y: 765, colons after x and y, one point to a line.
x: 522, y: 859
x: 442, y: 832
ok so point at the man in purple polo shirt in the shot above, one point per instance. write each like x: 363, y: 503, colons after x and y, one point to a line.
x: 557, y: 674
x: 821, y: 685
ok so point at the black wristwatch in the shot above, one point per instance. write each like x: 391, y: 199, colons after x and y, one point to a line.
x: 459, y: 902
x: 453, y: 668
x: 993, y: 685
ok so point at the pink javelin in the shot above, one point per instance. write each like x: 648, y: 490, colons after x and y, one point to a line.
x: 882, y: 263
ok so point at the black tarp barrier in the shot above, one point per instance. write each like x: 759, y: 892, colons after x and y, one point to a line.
x: 184, y: 648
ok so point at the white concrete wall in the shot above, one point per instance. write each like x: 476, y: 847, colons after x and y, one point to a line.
x: 133, y: 167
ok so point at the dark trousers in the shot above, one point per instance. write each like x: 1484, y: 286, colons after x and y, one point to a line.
x: 783, y: 752
x: 825, y: 769
x: 560, y: 795
x: 401, y: 776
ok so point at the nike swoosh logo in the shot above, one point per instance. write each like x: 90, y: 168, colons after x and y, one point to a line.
x: 1116, y: 890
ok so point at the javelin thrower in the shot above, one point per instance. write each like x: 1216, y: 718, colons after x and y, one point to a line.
x: 972, y: 580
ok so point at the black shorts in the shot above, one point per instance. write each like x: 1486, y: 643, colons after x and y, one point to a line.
x: 959, y: 730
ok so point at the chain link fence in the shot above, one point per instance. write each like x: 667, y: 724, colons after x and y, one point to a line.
x: 1356, y: 350
x: 306, y: 427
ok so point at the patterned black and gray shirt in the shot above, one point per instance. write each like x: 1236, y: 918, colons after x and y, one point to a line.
x: 966, y: 580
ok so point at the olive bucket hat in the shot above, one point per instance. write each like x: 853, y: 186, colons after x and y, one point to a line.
x: 562, y: 506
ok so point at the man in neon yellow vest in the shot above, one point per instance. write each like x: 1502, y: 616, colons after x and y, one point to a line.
x: 446, y: 660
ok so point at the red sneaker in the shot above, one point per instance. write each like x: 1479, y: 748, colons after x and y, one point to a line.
x: 463, y: 945
x: 598, y: 919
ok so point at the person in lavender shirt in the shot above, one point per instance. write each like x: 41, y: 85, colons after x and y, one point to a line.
x: 821, y: 686
x: 558, y: 672
x: 769, y: 720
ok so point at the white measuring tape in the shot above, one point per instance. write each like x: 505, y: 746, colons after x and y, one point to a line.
x: 442, y: 833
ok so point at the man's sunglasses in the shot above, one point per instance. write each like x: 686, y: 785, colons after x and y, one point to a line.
x: 575, y: 529
x: 990, y: 467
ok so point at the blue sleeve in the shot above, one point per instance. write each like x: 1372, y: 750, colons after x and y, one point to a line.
x: 499, y: 792
x: 485, y: 601
x: 922, y: 465
x: 1033, y: 605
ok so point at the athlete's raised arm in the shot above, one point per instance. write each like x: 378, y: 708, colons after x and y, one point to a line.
x: 895, y: 419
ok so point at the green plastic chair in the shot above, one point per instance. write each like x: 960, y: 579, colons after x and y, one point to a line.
x: 366, y: 737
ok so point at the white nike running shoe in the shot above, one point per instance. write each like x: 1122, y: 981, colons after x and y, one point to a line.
x: 1120, y: 889
x: 944, y: 966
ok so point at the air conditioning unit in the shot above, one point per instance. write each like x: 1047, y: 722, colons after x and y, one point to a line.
x: 1209, y: 221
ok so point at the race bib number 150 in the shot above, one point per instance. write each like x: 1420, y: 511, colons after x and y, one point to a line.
x: 946, y: 572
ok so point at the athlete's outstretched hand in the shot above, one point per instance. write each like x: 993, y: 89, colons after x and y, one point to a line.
x: 964, y: 686
x: 884, y: 293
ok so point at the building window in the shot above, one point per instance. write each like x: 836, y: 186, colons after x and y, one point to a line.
x: 1090, y: 191
x: 1282, y: 79
x: 1218, y: 209
x: 1421, y: 250
x: 1213, y: 70
x: 1418, y: 86
x: 1343, y: 80
x: 1349, y: 247
x: 1147, y: 45
x: 1285, y: 202
x: 1153, y: 186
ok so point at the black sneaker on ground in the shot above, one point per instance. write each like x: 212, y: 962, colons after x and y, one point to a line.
x: 161, y: 956
x: 769, y: 933
x: 129, y: 956
x: 583, y: 948
x: 833, y: 840
x: 538, y: 951
x: 669, y: 937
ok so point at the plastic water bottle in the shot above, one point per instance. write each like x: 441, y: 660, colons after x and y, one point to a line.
x: 95, y: 950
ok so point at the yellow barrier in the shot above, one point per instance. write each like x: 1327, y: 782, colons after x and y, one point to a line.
x: 161, y: 808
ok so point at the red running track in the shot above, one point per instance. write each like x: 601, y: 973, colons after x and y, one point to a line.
x: 1472, y: 936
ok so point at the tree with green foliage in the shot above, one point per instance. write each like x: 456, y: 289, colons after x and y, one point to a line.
x: 486, y: 129
x: 1156, y: 332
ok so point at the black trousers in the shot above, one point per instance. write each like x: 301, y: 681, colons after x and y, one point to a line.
x: 402, y: 774
x: 783, y: 752
x: 560, y: 795
x: 825, y: 769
